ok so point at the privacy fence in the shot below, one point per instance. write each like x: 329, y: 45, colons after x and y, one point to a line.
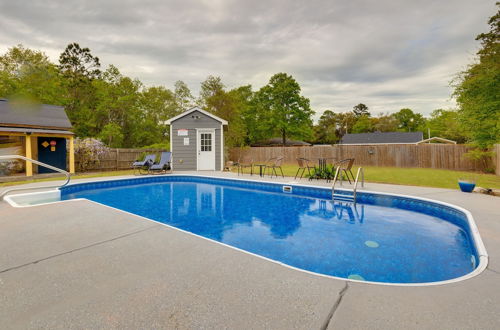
x: 114, y: 159
x: 441, y: 156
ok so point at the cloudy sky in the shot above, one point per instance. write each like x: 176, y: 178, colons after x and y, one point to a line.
x: 388, y: 54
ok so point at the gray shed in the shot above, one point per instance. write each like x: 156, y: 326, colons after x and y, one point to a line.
x: 197, y: 141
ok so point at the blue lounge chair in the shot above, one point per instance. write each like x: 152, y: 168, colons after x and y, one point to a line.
x: 143, y: 165
x: 163, y: 165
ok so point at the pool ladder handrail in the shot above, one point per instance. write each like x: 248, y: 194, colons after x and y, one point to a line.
x: 354, y: 190
x: 68, y: 175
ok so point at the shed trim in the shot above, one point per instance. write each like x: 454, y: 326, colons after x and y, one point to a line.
x: 221, y: 148
x: 169, y: 122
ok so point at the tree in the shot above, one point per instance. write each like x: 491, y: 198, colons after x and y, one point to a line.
x: 283, y: 110
x: 446, y: 124
x: 79, y: 63
x: 227, y: 105
x: 156, y: 105
x: 363, y: 125
x: 385, y: 123
x: 209, y: 88
x: 183, y: 98
x: 79, y: 68
x: 476, y: 90
x: 29, y: 75
x: 361, y: 110
x: 117, y: 102
x: 325, y: 131
x: 409, y: 121
x: 112, y: 135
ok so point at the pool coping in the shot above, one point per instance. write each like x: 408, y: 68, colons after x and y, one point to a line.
x: 474, y: 231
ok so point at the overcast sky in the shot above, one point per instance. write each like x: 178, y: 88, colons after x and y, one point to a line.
x: 386, y: 54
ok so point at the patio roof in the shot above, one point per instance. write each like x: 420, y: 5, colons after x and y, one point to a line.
x: 41, y: 116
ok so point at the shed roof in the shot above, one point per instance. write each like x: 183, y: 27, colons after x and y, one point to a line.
x: 383, y: 138
x: 35, y: 116
x: 185, y: 113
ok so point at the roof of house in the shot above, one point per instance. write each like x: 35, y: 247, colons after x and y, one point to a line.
x: 279, y: 142
x: 33, y: 116
x: 383, y: 138
x: 185, y: 113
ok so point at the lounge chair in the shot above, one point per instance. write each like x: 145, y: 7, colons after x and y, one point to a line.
x: 142, y: 166
x: 163, y: 165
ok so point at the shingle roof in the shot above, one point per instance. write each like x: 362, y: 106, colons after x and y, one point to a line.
x: 382, y: 138
x: 36, y: 116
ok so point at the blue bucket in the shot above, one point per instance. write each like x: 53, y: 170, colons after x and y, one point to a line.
x: 466, y: 186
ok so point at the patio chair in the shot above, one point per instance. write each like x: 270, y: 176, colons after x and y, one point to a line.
x: 245, y: 163
x: 345, y: 166
x: 163, y: 165
x: 303, y: 165
x: 142, y: 166
x: 272, y: 164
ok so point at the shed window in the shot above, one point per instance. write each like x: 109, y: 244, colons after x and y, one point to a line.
x: 206, y: 142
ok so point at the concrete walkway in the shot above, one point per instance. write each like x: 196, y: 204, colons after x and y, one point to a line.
x: 78, y: 264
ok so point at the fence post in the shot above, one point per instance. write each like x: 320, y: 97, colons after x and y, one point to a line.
x: 117, y: 158
x: 497, y: 158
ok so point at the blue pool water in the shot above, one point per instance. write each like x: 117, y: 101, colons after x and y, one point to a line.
x: 372, y: 240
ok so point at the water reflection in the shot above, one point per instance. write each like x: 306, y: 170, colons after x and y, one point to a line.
x: 340, y: 210
x: 218, y: 209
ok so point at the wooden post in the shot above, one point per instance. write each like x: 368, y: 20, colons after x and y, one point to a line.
x: 71, y: 155
x: 497, y: 159
x: 29, y: 165
x: 117, y: 159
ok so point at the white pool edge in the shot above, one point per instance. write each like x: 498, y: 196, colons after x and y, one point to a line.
x: 479, y: 244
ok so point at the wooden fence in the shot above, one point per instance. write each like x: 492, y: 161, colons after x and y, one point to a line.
x: 116, y: 159
x: 442, y: 156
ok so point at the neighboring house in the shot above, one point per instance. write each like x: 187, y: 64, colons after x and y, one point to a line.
x: 279, y: 142
x: 38, y: 132
x: 382, y: 138
x: 197, y: 141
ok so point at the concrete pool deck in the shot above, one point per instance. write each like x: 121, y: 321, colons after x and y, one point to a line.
x: 79, y: 264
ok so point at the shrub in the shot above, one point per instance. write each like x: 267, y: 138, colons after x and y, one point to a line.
x: 88, y: 152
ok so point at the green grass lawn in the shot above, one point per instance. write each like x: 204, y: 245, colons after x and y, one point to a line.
x: 426, y: 177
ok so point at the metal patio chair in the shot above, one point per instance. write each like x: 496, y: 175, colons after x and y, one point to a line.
x: 275, y: 163
x: 303, y: 165
x: 245, y: 163
x: 345, y: 166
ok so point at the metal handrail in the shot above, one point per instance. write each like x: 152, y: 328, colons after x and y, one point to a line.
x: 354, y: 190
x: 360, y: 170
x: 335, y: 180
x: 68, y: 176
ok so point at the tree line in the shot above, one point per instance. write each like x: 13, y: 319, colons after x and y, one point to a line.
x: 123, y: 112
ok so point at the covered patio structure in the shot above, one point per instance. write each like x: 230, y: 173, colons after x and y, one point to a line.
x: 37, y: 131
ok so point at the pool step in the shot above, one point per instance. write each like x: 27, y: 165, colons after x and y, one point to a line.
x: 343, y: 197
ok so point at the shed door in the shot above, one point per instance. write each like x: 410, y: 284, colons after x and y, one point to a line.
x: 206, y: 150
x: 51, y: 151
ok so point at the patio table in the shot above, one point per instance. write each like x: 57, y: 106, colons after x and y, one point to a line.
x: 261, y: 166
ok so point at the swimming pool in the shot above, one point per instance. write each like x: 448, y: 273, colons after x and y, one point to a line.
x: 383, y: 238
